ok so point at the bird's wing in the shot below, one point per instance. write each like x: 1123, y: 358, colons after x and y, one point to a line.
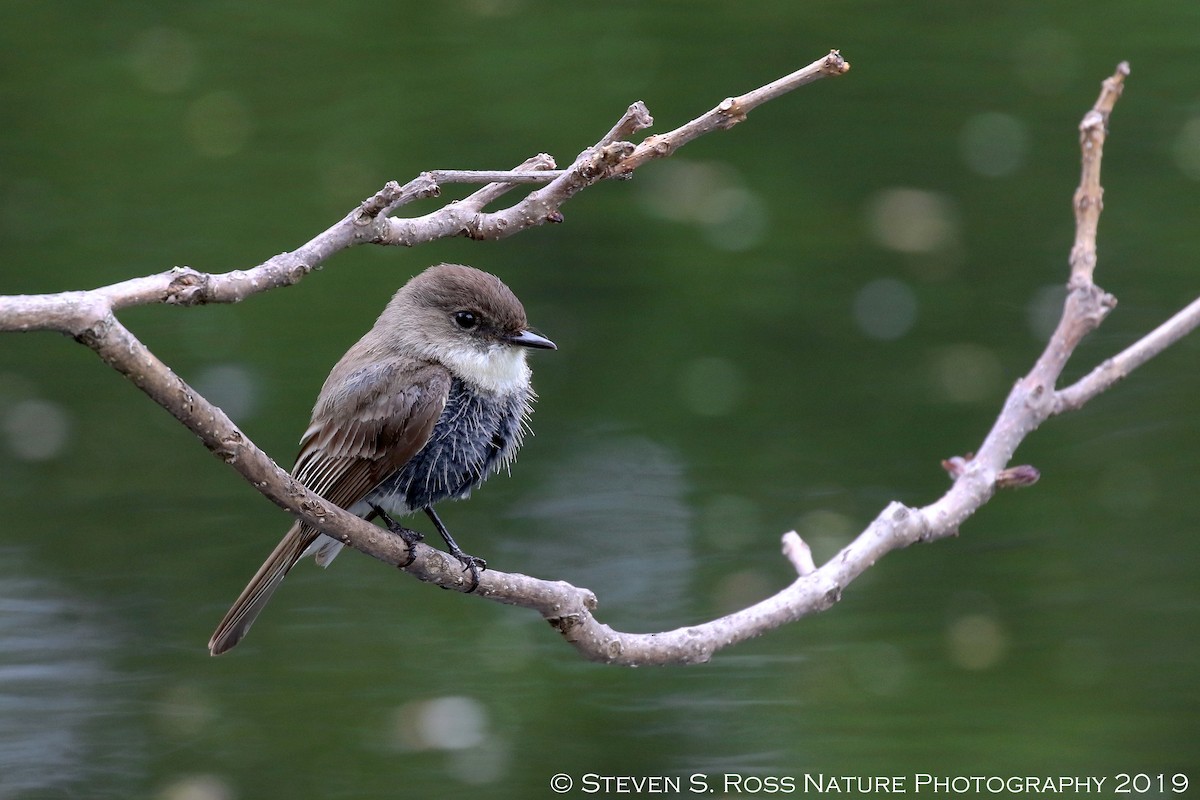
x: 377, y: 421
x: 370, y: 431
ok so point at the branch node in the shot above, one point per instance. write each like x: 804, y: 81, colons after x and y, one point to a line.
x: 660, y: 145
x: 95, y: 331
x: 956, y: 466
x: 731, y: 111
x: 639, y: 116
x: 834, y: 64
x: 230, y: 446
x: 566, y: 623
x: 393, y: 195
x: 616, y: 152
x: 596, y: 163
x: 297, y: 272
x: 613, y: 648
x: 588, y: 597
x: 636, y: 118
x: 374, y: 205
x: 540, y: 162
x: 188, y: 287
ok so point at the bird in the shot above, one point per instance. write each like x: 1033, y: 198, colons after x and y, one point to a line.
x: 430, y: 402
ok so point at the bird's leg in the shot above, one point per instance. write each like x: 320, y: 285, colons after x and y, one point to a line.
x: 409, y: 536
x: 470, y: 563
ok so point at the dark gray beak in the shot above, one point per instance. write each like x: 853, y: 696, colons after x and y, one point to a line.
x: 528, y: 338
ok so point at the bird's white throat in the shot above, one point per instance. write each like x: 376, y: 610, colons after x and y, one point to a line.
x: 500, y: 369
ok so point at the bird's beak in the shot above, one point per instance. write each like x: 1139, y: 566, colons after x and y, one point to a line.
x: 529, y: 338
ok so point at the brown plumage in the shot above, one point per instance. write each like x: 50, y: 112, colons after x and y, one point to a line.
x: 424, y: 407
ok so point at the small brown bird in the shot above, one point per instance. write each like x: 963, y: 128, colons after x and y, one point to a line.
x: 430, y: 402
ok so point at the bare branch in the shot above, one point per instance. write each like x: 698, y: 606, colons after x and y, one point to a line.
x: 371, y: 223
x: 976, y: 478
x: 610, y: 157
x: 541, y: 167
x: 89, y: 316
x: 1129, y: 359
x: 637, y: 118
x: 733, y: 110
x: 1089, y: 197
x: 797, y: 551
x: 521, y: 174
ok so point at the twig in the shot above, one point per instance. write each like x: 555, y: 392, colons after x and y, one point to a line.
x: 494, y: 176
x: 797, y: 551
x: 732, y: 110
x: 541, y: 166
x: 1129, y: 359
x: 610, y: 157
x: 1089, y: 197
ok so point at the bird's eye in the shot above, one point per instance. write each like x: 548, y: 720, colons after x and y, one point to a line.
x: 465, y: 320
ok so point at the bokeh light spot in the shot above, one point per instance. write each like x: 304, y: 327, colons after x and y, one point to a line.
x: 1044, y: 309
x: 231, y: 387
x: 885, y: 309
x: 976, y: 641
x: 163, y: 60
x: 443, y: 723
x: 1186, y: 149
x: 735, y: 219
x: 709, y: 195
x: 197, y: 787
x: 965, y: 373
x: 994, y: 144
x: 912, y: 220
x: 37, y: 430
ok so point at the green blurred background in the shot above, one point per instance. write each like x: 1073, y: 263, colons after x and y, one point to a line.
x: 784, y: 326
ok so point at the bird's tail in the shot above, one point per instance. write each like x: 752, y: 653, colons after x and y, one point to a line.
x: 254, y: 597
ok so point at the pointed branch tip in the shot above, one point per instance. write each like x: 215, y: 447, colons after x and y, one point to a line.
x: 799, y: 554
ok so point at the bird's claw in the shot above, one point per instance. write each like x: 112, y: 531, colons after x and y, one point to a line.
x: 472, y: 564
x: 410, y: 537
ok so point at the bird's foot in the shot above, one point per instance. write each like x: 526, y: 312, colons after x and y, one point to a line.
x: 472, y: 564
x: 409, y: 536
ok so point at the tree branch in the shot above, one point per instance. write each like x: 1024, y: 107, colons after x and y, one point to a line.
x: 90, y: 317
x: 1129, y: 359
x: 371, y: 222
